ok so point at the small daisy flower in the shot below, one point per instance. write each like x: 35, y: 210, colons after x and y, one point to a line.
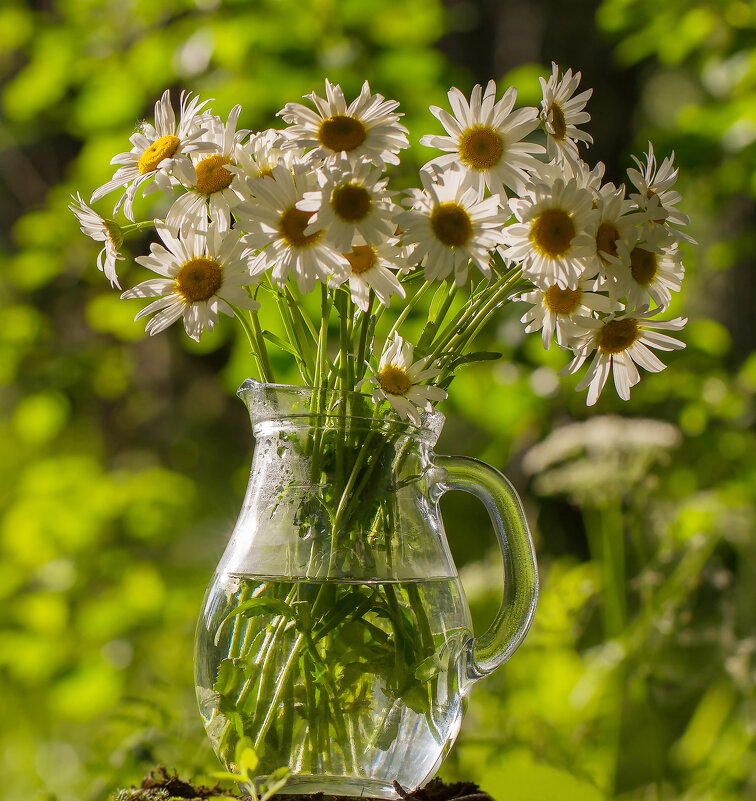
x: 351, y: 200
x: 373, y: 267
x: 655, y: 270
x: 277, y: 227
x: 554, y: 235
x: 366, y: 128
x: 101, y: 230
x: 213, y: 184
x: 485, y: 137
x: 202, y: 273
x: 562, y: 113
x: 258, y: 156
x: 558, y: 310
x: 621, y: 342
x: 398, y: 381
x: 155, y: 148
x: 615, y: 233
x: 450, y: 224
x: 655, y: 194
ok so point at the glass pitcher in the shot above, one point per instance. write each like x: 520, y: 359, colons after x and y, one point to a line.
x: 335, y: 637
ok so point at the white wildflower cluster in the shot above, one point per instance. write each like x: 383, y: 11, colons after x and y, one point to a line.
x: 310, y: 205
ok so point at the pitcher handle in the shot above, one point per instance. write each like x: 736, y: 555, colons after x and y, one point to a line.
x: 502, y: 638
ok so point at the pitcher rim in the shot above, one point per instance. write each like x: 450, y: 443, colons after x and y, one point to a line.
x: 430, y: 421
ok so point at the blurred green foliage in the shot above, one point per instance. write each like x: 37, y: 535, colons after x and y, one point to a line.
x: 124, y: 460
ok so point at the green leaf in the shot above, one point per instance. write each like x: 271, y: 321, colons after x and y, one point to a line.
x: 281, y: 343
x: 254, y: 607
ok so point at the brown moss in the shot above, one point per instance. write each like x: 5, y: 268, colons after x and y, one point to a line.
x: 160, y: 785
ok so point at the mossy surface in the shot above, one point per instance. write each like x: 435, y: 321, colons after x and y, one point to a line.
x: 160, y: 785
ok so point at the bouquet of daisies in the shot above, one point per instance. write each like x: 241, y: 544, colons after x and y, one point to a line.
x: 270, y: 217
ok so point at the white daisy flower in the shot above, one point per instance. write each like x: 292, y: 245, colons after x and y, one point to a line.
x: 616, y: 232
x: 262, y: 152
x: 620, y: 343
x: 155, y: 148
x: 367, y: 128
x: 101, y: 230
x: 485, y: 137
x: 559, y: 310
x: 351, y: 200
x: 373, y: 267
x: 655, y: 270
x: 655, y: 195
x: 450, y: 224
x: 214, y: 185
x: 398, y: 381
x: 554, y: 236
x: 276, y: 227
x: 203, y: 272
x: 562, y: 113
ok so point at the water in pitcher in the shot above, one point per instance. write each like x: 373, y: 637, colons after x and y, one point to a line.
x: 333, y: 678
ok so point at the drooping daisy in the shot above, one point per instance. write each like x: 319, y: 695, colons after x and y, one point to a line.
x: 450, y: 224
x: 554, y: 235
x: 367, y: 128
x: 214, y: 186
x: 621, y: 342
x: 352, y: 199
x: 485, y: 137
x: 276, y: 227
x: 562, y: 113
x: 374, y: 267
x: 398, y: 381
x: 560, y: 310
x: 155, y: 148
x: 655, y: 194
x: 202, y: 273
x: 655, y: 270
x: 101, y: 230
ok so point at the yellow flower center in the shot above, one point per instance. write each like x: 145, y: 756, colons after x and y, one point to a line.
x: 394, y: 380
x: 292, y: 228
x: 351, y: 202
x: 552, y: 232
x: 340, y: 132
x: 160, y: 149
x: 643, y: 266
x: 199, y: 279
x: 562, y: 301
x: 361, y: 259
x: 451, y: 224
x: 618, y: 335
x: 480, y: 147
x: 606, y: 239
x: 212, y: 175
x: 558, y: 123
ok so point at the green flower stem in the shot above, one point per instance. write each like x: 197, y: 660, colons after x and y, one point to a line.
x: 256, y: 342
x: 362, y: 347
x: 140, y: 226
x: 409, y: 307
x: 233, y: 650
x: 288, y: 324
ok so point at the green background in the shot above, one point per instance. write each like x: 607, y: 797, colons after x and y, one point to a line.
x: 123, y: 460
